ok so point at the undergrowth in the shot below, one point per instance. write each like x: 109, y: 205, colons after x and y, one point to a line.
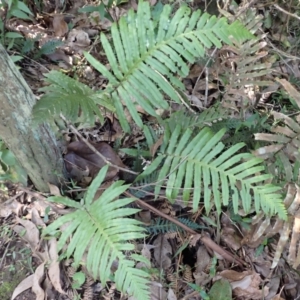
x: 195, y: 160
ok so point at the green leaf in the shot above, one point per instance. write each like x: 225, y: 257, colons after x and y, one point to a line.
x: 19, y: 14
x: 13, y: 35
x: 221, y: 290
x: 199, y: 165
x: 104, y: 236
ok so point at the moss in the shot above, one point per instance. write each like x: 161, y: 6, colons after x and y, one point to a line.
x: 7, y: 287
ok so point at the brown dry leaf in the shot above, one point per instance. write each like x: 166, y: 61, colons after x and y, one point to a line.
x: 9, y: 207
x: 54, y: 270
x: 144, y: 216
x: 232, y: 275
x: 37, y: 279
x: 32, y: 235
x: 194, y: 239
x: 157, y: 292
x: 294, y: 253
x: 171, y: 295
x: 36, y: 219
x: 231, y: 237
x: 203, y: 259
x: 277, y: 297
x: 162, y: 251
x: 59, y: 54
x: 23, y: 286
x: 249, y: 288
x: 245, y: 285
x: 60, y: 26
x: 80, y: 158
x: 78, y: 40
x: 273, y: 285
x: 54, y: 190
x: 290, y: 90
x: 147, y: 254
x: 156, y: 145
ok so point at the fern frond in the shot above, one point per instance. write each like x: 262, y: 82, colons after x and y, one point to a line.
x: 67, y: 96
x: 199, y: 165
x: 145, y: 57
x: 282, y: 152
x: 159, y: 225
x: 102, y: 229
x: 206, y: 118
x: 248, y: 74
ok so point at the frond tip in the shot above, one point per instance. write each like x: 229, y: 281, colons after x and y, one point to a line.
x: 200, y: 166
x: 102, y: 229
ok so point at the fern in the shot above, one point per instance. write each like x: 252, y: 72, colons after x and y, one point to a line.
x: 66, y: 95
x: 193, y: 161
x: 102, y: 229
x: 248, y: 56
x: 159, y: 225
x: 146, y: 57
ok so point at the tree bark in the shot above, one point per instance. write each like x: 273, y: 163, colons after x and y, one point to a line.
x: 34, y: 147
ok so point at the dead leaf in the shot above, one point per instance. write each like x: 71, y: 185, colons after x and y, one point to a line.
x: 36, y: 219
x: 290, y: 90
x: 23, y: 286
x: 37, y: 279
x: 245, y: 285
x: 54, y: 270
x: 9, y: 207
x: 156, y: 145
x: 31, y: 235
x: 162, y: 251
x: 59, y: 54
x: 80, y: 158
x: 232, y: 275
x: 171, y: 295
x: 60, y: 26
x: 203, y: 259
x: 54, y: 190
x: 78, y: 40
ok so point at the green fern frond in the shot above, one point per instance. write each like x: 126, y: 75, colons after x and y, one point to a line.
x: 146, y: 57
x: 67, y: 96
x: 199, y: 164
x: 103, y: 230
x: 159, y: 225
x: 141, y: 188
x: 207, y: 118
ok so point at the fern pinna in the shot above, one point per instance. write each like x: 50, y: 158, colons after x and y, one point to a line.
x: 145, y: 58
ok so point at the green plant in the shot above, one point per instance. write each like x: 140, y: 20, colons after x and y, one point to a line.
x: 102, y: 8
x: 146, y: 56
x: 103, y: 228
x: 13, y: 8
x: 9, y: 167
x: 199, y: 161
x: 145, y: 60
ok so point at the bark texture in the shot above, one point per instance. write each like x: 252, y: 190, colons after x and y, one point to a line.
x: 35, y: 147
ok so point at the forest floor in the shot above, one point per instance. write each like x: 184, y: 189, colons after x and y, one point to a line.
x: 52, y: 35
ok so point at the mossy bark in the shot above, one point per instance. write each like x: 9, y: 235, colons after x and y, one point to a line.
x: 35, y: 147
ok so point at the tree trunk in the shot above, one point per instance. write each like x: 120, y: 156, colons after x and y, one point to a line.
x: 34, y: 147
